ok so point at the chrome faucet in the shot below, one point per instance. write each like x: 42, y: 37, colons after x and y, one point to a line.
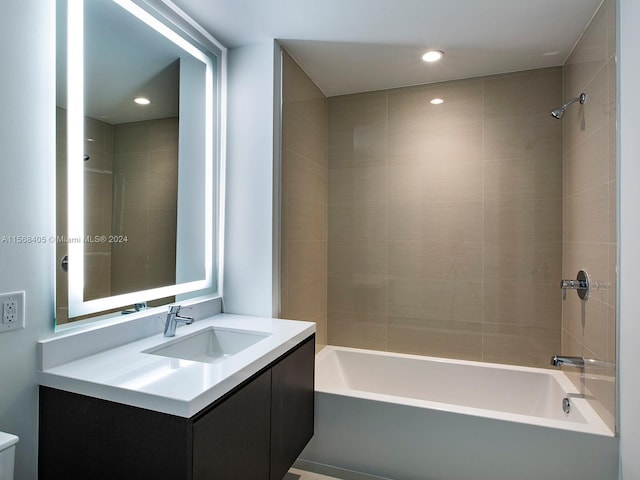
x: 173, y: 318
x: 558, y: 361
x: 579, y: 362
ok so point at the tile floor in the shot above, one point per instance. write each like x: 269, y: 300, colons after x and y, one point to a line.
x: 296, y: 474
x: 312, y: 471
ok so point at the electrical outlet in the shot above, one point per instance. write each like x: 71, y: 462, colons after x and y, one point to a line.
x: 11, y: 311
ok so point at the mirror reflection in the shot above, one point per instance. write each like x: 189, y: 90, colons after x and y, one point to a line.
x: 141, y: 133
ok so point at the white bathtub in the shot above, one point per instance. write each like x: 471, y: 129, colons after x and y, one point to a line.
x: 411, y: 417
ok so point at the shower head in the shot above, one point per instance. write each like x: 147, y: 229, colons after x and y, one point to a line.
x: 559, y: 112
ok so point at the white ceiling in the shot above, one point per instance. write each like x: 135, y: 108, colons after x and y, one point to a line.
x: 349, y: 46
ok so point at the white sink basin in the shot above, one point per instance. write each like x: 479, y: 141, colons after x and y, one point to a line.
x: 211, y: 345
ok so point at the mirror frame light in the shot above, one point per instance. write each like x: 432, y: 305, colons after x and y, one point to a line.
x: 75, y: 169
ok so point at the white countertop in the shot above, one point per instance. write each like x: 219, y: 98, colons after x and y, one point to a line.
x: 178, y: 387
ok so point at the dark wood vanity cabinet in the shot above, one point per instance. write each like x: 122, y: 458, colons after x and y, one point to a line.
x: 255, y: 432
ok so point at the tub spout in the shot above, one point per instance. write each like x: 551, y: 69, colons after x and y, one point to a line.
x: 558, y: 361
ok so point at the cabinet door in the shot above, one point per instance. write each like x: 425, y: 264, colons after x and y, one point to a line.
x: 231, y: 442
x: 291, y: 407
x: 85, y: 438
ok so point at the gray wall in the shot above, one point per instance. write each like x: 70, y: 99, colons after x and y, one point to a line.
x: 27, y: 173
x: 250, y: 255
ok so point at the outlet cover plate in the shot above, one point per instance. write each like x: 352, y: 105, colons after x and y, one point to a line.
x: 18, y: 323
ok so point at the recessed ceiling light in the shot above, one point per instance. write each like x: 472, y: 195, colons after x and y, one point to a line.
x: 142, y: 101
x: 551, y: 54
x: 433, y: 55
x: 437, y: 101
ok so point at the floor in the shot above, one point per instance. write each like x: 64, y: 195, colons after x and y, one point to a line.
x: 296, y: 474
x: 303, y: 470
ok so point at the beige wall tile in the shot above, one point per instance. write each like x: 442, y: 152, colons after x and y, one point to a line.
x: 522, y: 179
x: 365, y: 147
x: 305, y: 188
x: 458, y: 300
x: 349, y: 113
x: 406, y: 184
x: 535, y: 136
x: 307, y: 301
x: 611, y: 335
x: 305, y: 138
x: 357, y: 223
x: 525, y: 220
x: 161, y: 238
x: 358, y: 186
x: 518, y: 345
x: 126, y: 277
x: 589, y: 56
x: 134, y: 166
x: 405, y: 222
x: 524, y: 305
x: 357, y: 294
x: 613, y: 275
x: 357, y: 330
x: 596, y: 325
x: 131, y: 137
x: 587, y: 163
x: 321, y: 330
x: 588, y: 216
x: 163, y: 133
x: 160, y: 275
x: 602, y: 386
x: 305, y: 261
x: 460, y: 340
x: 410, y: 108
x: 367, y: 258
x: 522, y: 93
x: 582, y: 121
x: 523, y: 262
x: 306, y: 221
x: 303, y: 178
x: 474, y: 197
x: 452, y: 222
x: 144, y: 203
x: 452, y: 181
x: 590, y: 207
x: 436, y: 260
x: 613, y: 212
x: 453, y: 141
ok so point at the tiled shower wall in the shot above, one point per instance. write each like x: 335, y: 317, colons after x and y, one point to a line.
x: 445, y: 221
x: 132, y: 171
x: 145, y: 190
x: 98, y: 180
x: 303, y: 269
x: 590, y: 205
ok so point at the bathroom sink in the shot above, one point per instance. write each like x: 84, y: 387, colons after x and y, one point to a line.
x: 211, y: 345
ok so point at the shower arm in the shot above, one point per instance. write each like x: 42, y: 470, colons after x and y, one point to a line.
x: 581, y: 98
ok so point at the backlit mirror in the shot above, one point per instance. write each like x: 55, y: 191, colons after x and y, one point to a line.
x: 137, y: 115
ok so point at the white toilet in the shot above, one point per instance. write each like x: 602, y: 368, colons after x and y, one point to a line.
x: 7, y: 455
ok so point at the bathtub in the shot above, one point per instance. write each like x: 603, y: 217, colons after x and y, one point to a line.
x: 408, y: 417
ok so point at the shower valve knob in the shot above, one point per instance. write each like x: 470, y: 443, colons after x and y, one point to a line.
x: 581, y: 284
